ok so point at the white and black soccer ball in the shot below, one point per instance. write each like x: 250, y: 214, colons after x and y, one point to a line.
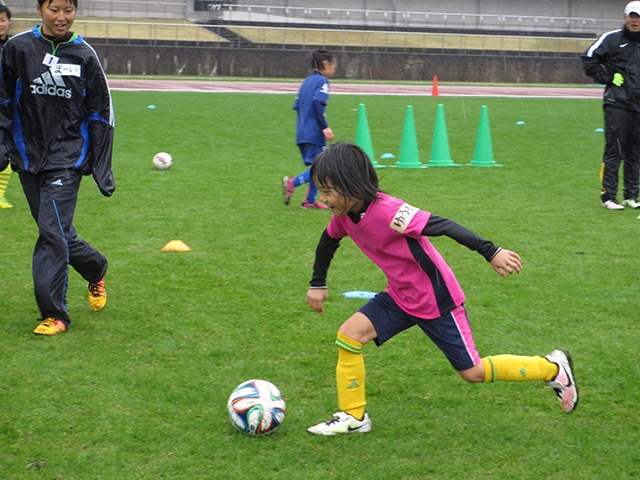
x: 162, y: 161
x: 256, y: 407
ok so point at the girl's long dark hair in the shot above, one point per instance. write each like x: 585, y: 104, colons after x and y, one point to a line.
x: 346, y: 168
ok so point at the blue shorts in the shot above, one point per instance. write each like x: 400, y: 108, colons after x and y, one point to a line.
x: 309, y: 152
x: 451, y: 333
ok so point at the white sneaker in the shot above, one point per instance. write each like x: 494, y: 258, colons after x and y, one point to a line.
x: 630, y: 202
x: 612, y: 205
x: 564, y: 385
x: 342, y: 422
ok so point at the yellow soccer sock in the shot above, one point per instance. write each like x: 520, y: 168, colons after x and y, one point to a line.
x: 515, y: 368
x: 350, y: 375
x: 4, y: 180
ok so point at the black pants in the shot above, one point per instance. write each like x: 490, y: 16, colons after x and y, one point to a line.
x: 622, y: 137
x: 52, y: 198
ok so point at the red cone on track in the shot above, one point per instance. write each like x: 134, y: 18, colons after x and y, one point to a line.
x: 434, y: 89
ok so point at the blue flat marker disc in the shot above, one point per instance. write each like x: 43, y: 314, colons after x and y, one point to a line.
x: 359, y: 294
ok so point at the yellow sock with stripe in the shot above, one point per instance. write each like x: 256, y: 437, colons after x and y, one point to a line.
x: 350, y: 375
x: 4, y: 180
x: 516, y: 368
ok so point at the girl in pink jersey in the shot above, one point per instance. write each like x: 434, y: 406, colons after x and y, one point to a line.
x: 422, y: 290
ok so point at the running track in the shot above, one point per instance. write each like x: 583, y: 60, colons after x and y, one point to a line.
x: 355, y: 89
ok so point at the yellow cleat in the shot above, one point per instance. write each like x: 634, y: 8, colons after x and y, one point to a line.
x: 4, y: 203
x: 97, y: 295
x: 50, y: 326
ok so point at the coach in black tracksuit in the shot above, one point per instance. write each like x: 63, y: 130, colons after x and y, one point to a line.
x: 614, y: 60
x: 56, y: 125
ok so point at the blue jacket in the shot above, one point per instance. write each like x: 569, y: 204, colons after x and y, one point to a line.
x: 310, y: 104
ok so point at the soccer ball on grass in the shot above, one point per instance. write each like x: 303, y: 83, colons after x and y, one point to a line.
x: 256, y: 407
x: 162, y: 161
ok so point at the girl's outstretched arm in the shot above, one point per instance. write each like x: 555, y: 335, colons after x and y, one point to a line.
x: 501, y: 260
x: 437, y: 226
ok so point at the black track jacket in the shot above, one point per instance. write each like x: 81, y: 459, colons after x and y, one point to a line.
x: 616, y: 52
x: 55, y: 108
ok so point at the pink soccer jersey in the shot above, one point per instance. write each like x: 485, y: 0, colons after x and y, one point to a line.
x: 418, y: 278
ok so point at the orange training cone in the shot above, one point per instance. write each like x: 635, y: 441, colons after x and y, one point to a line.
x: 434, y: 89
x: 176, y: 246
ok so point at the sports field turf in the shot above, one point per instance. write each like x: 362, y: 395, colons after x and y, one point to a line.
x: 139, y: 390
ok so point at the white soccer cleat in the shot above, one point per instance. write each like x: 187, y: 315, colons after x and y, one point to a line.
x: 342, y: 422
x: 564, y: 384
x: 612, y: 205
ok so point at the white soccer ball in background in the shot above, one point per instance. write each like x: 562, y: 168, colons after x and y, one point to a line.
x: 162, y: 161
x: 256, y: 407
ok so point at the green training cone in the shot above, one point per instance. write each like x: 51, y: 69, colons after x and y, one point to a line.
x: 363, y: 136
x: 440, y: 153
x: 483, y: 155
x: 409, y: 157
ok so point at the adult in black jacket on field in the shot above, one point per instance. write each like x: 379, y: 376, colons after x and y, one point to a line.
x: 56, y: 125
x: 614, y: 60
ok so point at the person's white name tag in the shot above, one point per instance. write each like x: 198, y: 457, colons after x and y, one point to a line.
x: 403, y: 217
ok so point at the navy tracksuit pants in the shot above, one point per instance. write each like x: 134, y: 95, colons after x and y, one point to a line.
x: 622, y: 143
x: 52, y: 198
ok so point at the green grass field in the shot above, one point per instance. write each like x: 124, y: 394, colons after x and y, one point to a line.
x: 139, y: 390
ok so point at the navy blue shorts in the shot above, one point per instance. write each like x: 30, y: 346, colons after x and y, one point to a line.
x: 451, y: 332
x: 309, y: 152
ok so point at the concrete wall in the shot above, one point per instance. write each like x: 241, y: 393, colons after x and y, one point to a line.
x: 169, y: 60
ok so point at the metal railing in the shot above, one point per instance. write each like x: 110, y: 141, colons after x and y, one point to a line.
x: 375, y: 18
x: 134, y: 10
x: 228, y: 11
